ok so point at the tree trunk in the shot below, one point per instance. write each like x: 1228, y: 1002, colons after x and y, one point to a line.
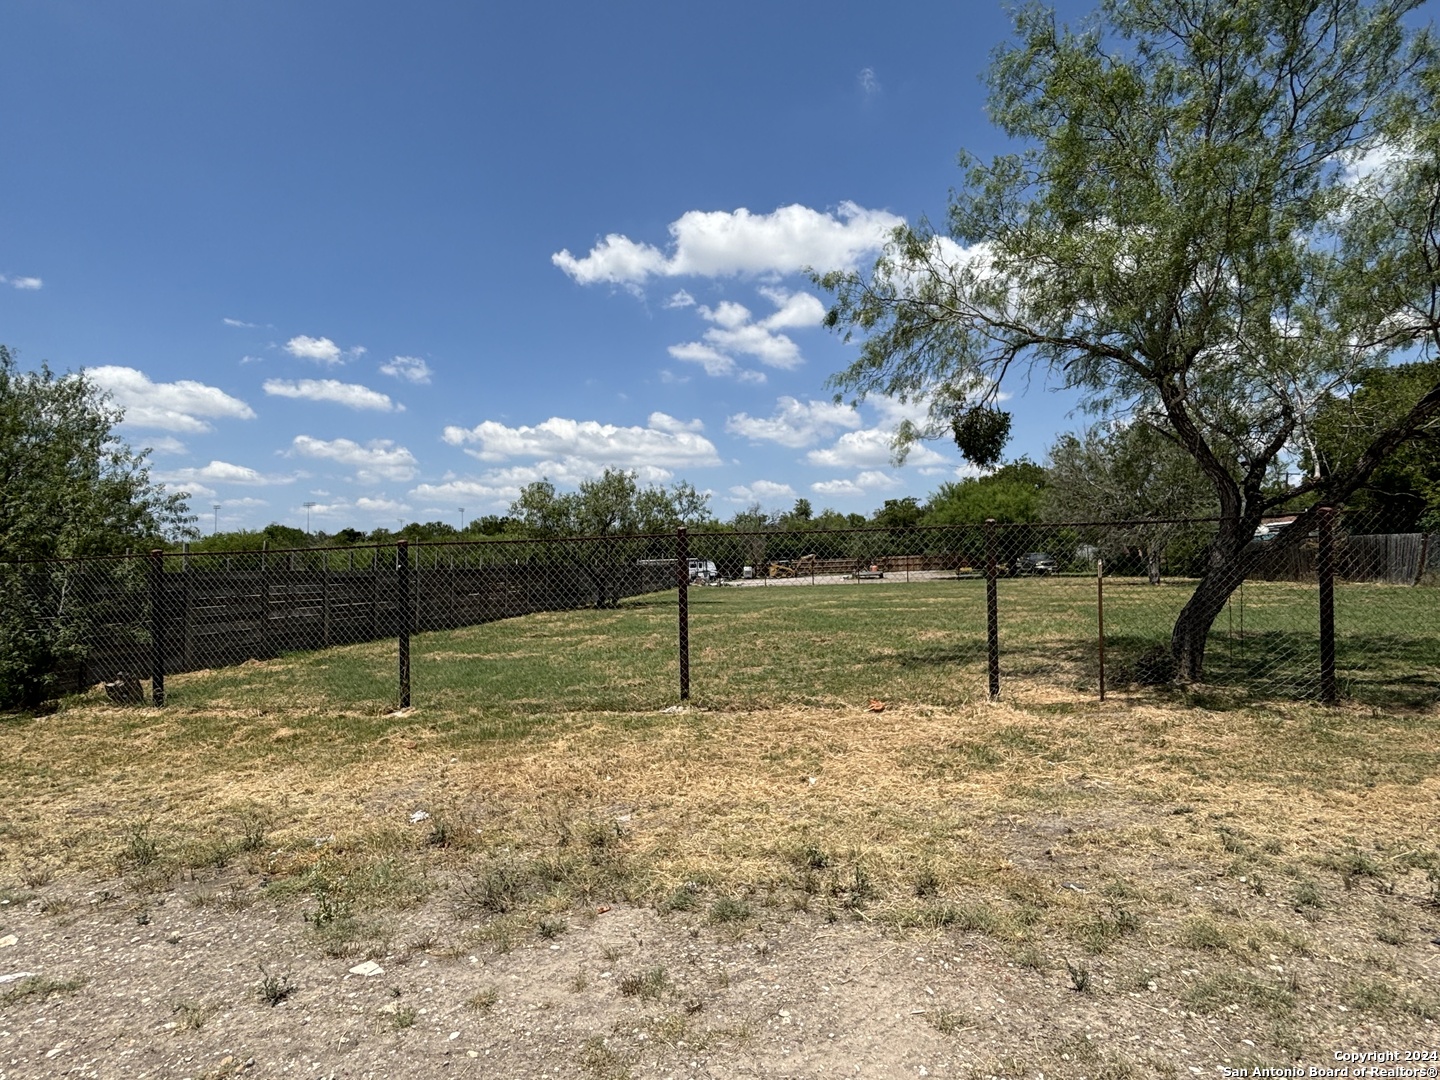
x: 1224, y: 573
x: 1192, y: 628
x: 1152, y: 557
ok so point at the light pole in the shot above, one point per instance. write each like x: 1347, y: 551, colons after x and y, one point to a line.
x: 462, y: 519
x: 308, y: 507
x: 216, y: 508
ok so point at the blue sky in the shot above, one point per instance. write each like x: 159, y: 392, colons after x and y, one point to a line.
x: 397, y: 260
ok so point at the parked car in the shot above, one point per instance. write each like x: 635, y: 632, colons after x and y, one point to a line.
x: 1033, y: 562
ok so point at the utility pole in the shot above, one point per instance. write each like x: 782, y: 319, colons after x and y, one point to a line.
x: 308, y: 507
x: 462, y: 519
x: 216, y: 508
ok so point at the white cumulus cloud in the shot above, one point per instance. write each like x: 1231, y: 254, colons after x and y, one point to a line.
x: 185, y: 406
x: 474, y: 495
x: 793, y: 310
x: 410, y: 368
x: 724, y: 243
x: 727, y: 314
x: 670, y: 444
x: 28, y: 284
x: 734, y: 331
x: 346, y: 511
x: 761, y: 491
x: 221, y: 472
x: 351, y: 395
x: 1373, y: 161
x: 773, y: 350
x: 165, y: 444
x: 871, y: 480
x: 566, y: 452
x: 376, y: 461
x: 665, y: 422
x: 795, y: 423
x: 713, y: 361
x: 321, y: 350
x: 869, y: 448
x: 381, y: 505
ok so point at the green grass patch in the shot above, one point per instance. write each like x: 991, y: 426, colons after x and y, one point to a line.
x: 826, y: 645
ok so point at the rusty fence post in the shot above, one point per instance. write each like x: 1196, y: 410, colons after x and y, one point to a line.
x: 992, y: 609
x: 682, y: 580
x: 1325, y: 570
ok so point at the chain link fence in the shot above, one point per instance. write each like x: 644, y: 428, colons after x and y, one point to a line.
x: 1042, y: 612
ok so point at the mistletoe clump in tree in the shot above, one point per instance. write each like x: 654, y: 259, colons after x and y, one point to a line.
x: 1220, y: 215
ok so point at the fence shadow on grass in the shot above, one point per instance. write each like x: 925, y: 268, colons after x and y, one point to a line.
x: 1388, y: 671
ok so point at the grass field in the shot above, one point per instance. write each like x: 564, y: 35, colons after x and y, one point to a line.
x: 922, y: 642
x: 1277, y: 863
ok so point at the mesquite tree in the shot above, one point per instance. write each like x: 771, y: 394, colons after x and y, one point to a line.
x: 1216, y: 216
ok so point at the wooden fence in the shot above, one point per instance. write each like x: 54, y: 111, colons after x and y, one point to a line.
x: 1397, y: 558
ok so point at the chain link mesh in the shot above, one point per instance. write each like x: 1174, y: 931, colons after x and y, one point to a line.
x: 772, y: 617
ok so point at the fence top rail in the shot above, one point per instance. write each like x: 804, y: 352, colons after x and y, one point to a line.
x: 698, y: 535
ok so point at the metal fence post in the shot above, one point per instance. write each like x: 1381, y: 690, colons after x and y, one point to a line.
x: 1325, y: 570
x: 992, y: 609
x: 682, y: 579
x: 264, y: 626
x: 157, y: 627
x: 1100, y: 618
x: 403, y: 611
x: 187, y: 620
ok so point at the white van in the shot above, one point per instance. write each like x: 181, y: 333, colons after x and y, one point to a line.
x: 703, y: 571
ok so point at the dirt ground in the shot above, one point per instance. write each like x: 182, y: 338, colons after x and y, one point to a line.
x: 208, y: 981
x: 1109, y: 893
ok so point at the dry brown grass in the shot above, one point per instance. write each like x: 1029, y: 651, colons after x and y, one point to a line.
x: 1113, y: 839
x: 723, y: 796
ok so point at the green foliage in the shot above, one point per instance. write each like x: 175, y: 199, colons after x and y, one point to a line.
x: 1125, y: 473
x: 603, y: 510
x: 272, y: 990
x: 899, y: 513
x: 1403, y: 493
x: 1182, y: 236
x: 284, y: 536
x: 981, y: 433
x: 68, y: 488
x: 612, y: 504
x: 1012, y: 493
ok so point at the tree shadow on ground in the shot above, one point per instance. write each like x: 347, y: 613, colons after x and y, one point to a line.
x: 1384, y: 671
